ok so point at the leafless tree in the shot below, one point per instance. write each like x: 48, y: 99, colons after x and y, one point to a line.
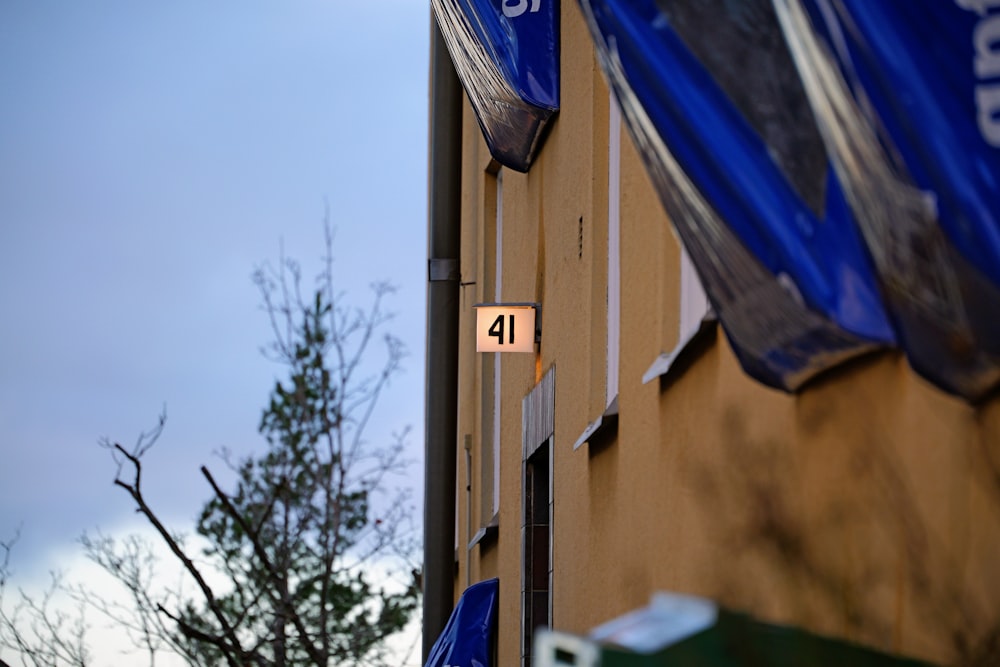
x: 313, y: 545
x: 41, y: 632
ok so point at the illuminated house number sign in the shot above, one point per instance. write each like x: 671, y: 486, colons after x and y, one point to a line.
x: 505, y: 328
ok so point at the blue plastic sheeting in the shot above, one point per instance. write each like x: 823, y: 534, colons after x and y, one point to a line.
x: 506, y: 54
x: 908, y: 96
x: 467, y: 639
x: 712, y: 99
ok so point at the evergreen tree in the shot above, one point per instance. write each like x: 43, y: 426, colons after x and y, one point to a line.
x: 308, y: 557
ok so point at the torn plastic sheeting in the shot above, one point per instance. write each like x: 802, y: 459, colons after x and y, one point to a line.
x: 467, y: 639
x: 713, y: 102
x: 908, y: 98
x: 506, y: 54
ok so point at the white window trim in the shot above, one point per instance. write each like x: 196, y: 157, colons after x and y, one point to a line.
x: 696, y: 316
x: 498, y: 281
x: 694, y: 301
x: 614, y: 252
x: 613, y: 351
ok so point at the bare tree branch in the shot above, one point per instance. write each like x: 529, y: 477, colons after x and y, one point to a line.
x: 135, y: 491
x: 308, y: 539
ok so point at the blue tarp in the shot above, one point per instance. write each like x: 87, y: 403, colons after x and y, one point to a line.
x: 908, y: 94
x: 712, y: 99
x: 467, y: 640
x: 506, y: 53
x: 830, y: 166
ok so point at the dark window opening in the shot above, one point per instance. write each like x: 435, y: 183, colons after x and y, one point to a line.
x: 536, y: 603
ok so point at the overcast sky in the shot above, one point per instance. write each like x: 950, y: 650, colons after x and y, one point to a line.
x: 152, y: 154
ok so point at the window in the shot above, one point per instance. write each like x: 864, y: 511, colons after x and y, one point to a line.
x: 609, y: 416
x: 538, y: 409
x: 695, y: 318
x: 490, y: 377
x: 536, y: 574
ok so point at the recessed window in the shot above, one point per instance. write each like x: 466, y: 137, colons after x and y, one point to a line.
x: 538, y: 410
x: 609, y: 412
x: 536, y: 607
x: 695, y: 318
x: 490, y: 376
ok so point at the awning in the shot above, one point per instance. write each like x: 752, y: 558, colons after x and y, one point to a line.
x: 506, y: 55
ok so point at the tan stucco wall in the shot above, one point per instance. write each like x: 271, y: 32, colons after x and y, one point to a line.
x: 867, y: 507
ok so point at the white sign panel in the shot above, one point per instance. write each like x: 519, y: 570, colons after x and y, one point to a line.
x: 501, y: 328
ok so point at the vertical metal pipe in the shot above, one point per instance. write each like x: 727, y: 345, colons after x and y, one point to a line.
x: 468, y: 508
x: 441, y: 376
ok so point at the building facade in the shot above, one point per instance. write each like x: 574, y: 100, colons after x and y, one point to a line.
x: 630, y: 452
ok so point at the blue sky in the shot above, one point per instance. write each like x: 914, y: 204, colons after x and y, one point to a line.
x: 152, y: 154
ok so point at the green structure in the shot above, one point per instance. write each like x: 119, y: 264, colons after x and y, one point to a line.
x: 682, y: 631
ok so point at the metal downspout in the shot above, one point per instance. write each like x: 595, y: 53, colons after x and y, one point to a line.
x: 441, y: 375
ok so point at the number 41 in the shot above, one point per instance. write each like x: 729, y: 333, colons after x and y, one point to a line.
x: 496, y: 329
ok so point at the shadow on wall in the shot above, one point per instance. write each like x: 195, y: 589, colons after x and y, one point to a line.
x: 859, y: 530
